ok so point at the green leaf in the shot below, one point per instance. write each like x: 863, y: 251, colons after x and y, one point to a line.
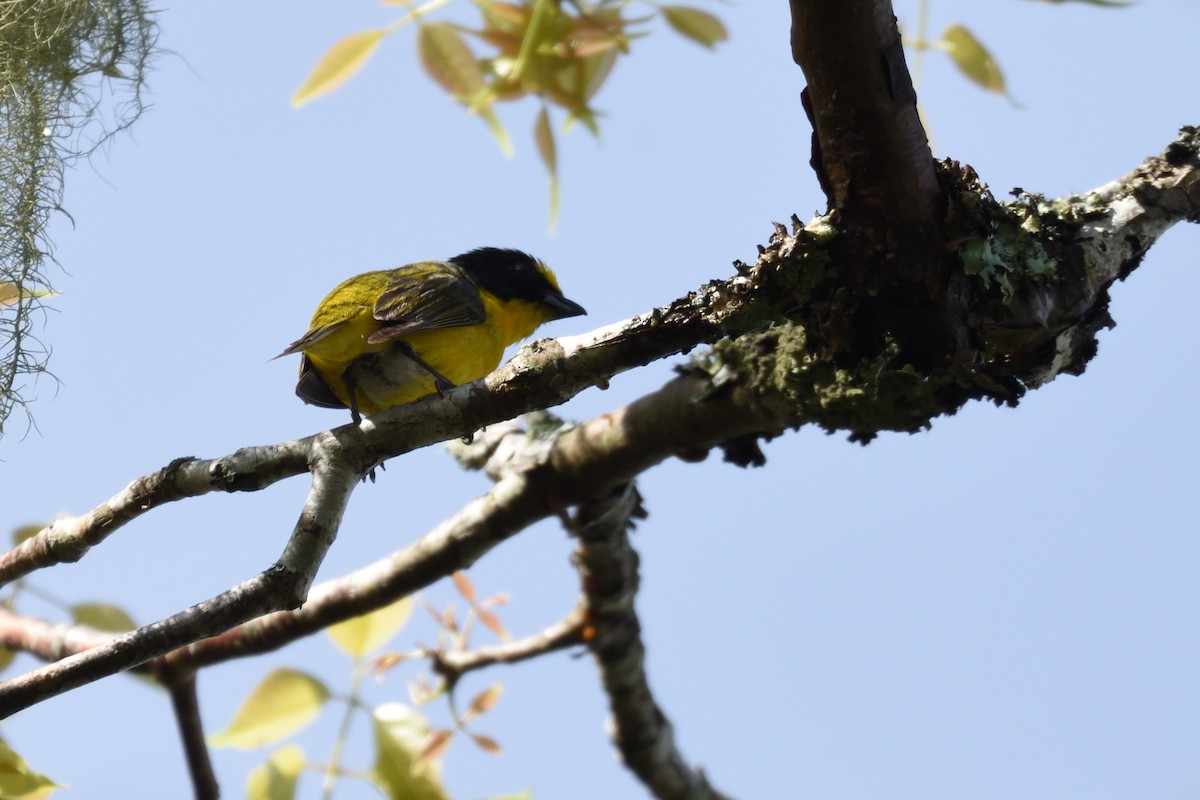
x: 6, y: 657
x: 359, y: 636
x: 596, y: 70
x: 275, y: 778
x: 973, y: 59
x: 400, y: 734
x: 696, y: 24
x: 102, y: 617
x: 338, y: 65
x: 18, y: 781
x: 449, y: 61
x: 283, y: 703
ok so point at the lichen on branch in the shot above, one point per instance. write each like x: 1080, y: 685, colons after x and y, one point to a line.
x: 58, y: 58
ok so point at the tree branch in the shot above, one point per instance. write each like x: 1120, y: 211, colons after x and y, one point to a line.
x: 567, y: 632
x: 608, y: 573
x: 869, y: 145
x: 46, y: 640
x: 191, y: 733
x: 284, y: 585
x: 68, y: 539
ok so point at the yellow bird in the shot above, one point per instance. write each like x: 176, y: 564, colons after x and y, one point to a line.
x: 384, y: 338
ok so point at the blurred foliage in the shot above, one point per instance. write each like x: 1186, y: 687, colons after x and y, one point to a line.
x: 18, y: 781
x: 408, y: 751
x: 71, y: 75
x: 555, y: 51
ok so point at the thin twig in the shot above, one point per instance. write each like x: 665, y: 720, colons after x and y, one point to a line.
x: 68, y: 539
x: 191, y: 733
x: 566, y: 633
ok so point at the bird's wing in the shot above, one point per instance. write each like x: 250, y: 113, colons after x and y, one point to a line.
x: 427, y: 296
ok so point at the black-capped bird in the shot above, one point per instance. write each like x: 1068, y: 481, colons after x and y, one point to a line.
x: 384, y: 338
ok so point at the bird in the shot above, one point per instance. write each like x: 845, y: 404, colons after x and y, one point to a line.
x: 389, y: 337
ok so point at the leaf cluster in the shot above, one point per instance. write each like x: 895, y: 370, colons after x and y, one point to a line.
x: 408, y: 750
x: 555, y: 52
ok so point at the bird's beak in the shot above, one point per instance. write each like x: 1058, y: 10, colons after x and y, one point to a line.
x: 560, y: 307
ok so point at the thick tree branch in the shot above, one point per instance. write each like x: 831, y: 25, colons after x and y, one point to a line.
x: 870, y: 147
x: 608, y: 573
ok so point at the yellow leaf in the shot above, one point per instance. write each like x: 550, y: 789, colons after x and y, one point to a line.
x: 102, y: 617
x: 362, y: 635
x: 400, y: 733
x: 449, y: 61
x: 338, y: 65
x: 973, y: 59
x: 695, y: 24
x: 18, y: 781
x: 283, y: 703
x: 275, y: 778
x: 10, y: 292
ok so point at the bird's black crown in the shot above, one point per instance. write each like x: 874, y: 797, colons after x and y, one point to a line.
x: 508, y: 274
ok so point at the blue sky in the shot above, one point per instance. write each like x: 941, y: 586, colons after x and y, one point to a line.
x: 1005, y: 606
